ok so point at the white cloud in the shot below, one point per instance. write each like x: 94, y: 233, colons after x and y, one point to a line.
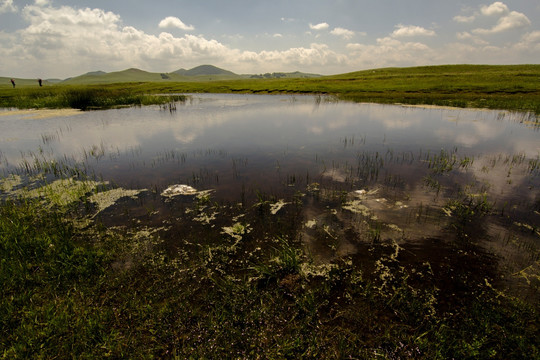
x: 464, y: 35
x: 513, y: 20
x: 64, y: 39
x: 529, y: 42
x: 85, y: 39
x: 389, y: 51
x: 316, y: 54
x: 411, y: 30
x: 497, y: 8
x: 7, y: 6
x: 61, y: 41
x: 464, y: 19
x: 347, y: 34
x: 321, y: 26
x: 468, y: 36
x: 174, y: 22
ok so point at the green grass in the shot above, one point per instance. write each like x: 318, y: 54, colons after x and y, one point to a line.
x: 510, y: 87
x: 81, y: 97
x: 97, y: 292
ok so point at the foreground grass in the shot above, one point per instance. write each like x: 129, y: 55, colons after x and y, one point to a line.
x: 71, y: 292
x: 510, y: 87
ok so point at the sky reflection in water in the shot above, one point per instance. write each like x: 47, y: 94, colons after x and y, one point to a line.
x: 224, y: 141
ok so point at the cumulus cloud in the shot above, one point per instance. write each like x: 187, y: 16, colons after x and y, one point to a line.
x: 65, y: 39
x: 464, y: 19
x: 529, y: 42
x: 42, y: 2
x: 316, y: 54
x: 389, y: 51
x: 60, y: 41
x: 59, y: 38
x: 7, y: 6
x: 411, y: 30
x: 347, y: 34
x: 321, y: 26
x: 497, y: 8
x: 468, y: 36
x: 174, y: 22
x: 512, y: 20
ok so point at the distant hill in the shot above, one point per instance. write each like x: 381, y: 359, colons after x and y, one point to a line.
x: 129, y: 75
x: 96, y: 73
x: 21, y: 82
x: 198, y: 73
x: 204, y: 70
x: 282, y: 75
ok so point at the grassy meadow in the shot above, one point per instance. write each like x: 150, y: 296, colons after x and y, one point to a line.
x: 509, y: 87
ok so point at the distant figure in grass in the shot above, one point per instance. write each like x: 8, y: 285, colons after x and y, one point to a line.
x: 13, y: 83
x: 40, y: 82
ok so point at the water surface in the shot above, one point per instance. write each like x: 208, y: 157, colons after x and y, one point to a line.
x: 357, y: 172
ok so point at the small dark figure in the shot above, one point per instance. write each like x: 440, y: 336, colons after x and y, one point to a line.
x: 40, y: 82
x: 13, y: 83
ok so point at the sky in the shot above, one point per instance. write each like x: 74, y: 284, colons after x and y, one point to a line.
x: 64, y: 38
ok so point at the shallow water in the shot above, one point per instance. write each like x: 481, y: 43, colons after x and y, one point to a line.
x: 357, y: 172
x: 262, y: 141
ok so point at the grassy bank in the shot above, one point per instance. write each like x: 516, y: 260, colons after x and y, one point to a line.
x: 80, y: 97
x: 73, y: 289
x: 510, y: 87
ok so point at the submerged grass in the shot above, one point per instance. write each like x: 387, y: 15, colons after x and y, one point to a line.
x: 509, y: 87
x: 98, y: 291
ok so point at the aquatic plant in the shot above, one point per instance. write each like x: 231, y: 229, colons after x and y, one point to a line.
x: 80, y: 291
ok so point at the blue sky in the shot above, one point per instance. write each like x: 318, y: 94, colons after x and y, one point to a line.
x: 63, y: 38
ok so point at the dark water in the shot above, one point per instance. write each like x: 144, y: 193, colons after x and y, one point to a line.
x: 403, y: 164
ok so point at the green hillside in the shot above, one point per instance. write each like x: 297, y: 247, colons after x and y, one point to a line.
x: 129, y: 75
x: 204, y: 70
x: 196, y: 74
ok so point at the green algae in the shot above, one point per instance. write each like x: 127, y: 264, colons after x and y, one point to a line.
x: 356, y: 206
x: 106, y: 199
x: 8, y: 184
x: 60, y: 192
x: 237, y: 230
x: 275, y: 207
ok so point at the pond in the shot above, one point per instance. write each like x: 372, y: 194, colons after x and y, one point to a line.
x: 338, y: 176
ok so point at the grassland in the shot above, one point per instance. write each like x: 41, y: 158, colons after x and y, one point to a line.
x: 509, y: 87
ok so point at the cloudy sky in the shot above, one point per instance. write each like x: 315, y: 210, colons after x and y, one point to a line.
x: 63, y: 38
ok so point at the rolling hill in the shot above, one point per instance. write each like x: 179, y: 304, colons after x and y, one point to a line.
x: 204, y: 70
x: 129, y: 75
x: 198, y: 73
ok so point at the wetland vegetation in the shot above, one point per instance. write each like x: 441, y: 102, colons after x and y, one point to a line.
x: 307, y: 228
x: 509, y: 87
